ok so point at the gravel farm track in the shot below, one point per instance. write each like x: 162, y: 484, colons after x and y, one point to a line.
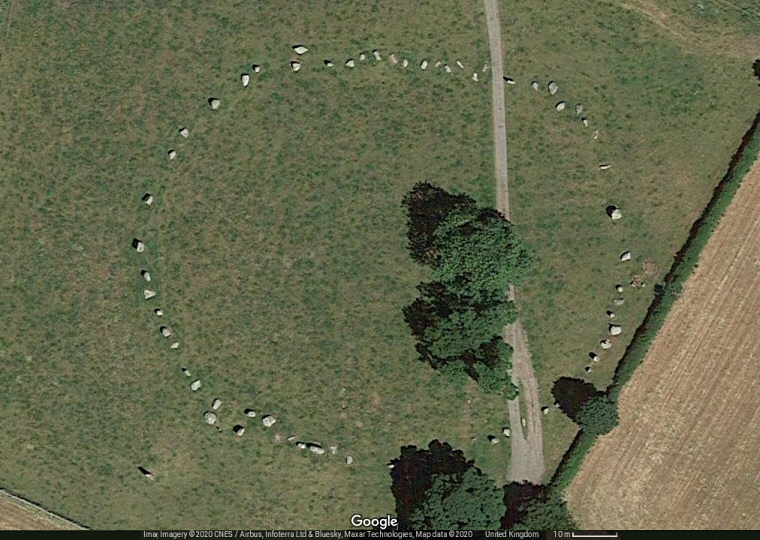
x: 685, y: 455
x: 18, y: 515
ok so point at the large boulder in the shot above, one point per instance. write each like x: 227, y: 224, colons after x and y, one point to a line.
x: 148, y: 294
x: 216, y: 403
x: 195, y: 385
x: 553, y: 87
x: 210, y: 418
x: 214, y: 103
x: 560, y: 106
x: 300, y: 49
x: 625, y: 256
x: 615, y: 330
x: 316, y: 449
x: 138, y: 245
x: 268, y: 420
x: 245, y: 79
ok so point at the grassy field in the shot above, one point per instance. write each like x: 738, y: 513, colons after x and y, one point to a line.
x: 18, y: 515
x: 671, y: 109
x: 276, y: 242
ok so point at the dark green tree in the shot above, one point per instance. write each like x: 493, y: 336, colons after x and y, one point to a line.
x: 463, y: 501
x: 545, y: 514
x: 478, y: 254
x: 599, y: 415
x: 427, y: 207
x: 493, y: 375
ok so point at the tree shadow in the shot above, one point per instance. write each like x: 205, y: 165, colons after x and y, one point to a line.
x: 516, y: 496
x: 413, y: 471
x: 571, y: 394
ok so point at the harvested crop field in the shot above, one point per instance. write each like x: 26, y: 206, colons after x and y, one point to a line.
x: 685, y: 453
x: 19, y: 515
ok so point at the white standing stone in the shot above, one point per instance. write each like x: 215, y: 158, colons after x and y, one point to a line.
x: 172, y: 154
x: 585, y: 122
x: 300, y: 49
x: 578, y: 108
x: 245, y: 79
x: 377, y: 56
x: 534, y: 85
x: 159, y: 312
x: 610, y: 314
x: 604, y: 344
x: 393, y: 58
x: 214, y: 103
x: 174, y: 345
x: 560, y: 106
x: 544, y: 410
x: 509, y: 80
x: 145, y: 275
x: 350, y: 63
x: 148, y: 294
x: 506, y: 431
x: 461, y: 66
x: 184, y: 132
x: 165, y: 331
x: 316, y: 449
x: 596, y: 134
x: 625, y: 256
x: 295, y: 66
x: 447, y: 68
x: 553, y: 88
x: 210, y: 418
x: 438, y: 63
x: 329, y: 63
x: 605, y: 166
x: 523, y: 422
x: 362, y: 57
x: 405, y: 63
x: 256, y: 68
x: 475, y: 77
x: 493, y: 439
x: 195, y: 385
x: 238, y: 430
x: 250, y: 413
x: 615, y: 330
x: 216, y: 403
x: 147, y: 199
x: 594, y: 357
x: 138, y: 245
x: 268, y: 420
x: 301, y: 445
x: 349, y: 460
x: 423, y: 64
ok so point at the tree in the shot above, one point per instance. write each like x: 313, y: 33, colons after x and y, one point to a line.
x: 478, y: 254
x: 599, y: 415
x: 413, y: 473
x: 427, y: 207
x: 545, y: 514
x: 460, y: 501
x: 496, y: 379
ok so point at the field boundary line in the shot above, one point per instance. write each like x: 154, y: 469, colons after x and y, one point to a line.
x: 38, y: 508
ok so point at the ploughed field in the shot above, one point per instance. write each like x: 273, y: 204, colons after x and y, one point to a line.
x: 685, y: 453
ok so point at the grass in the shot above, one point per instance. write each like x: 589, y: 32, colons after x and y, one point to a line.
x: 276, y: 244
x: 670, y: 115
x: 276, y: 241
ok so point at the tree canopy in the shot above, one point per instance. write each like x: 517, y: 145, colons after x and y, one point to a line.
x: 474, y: 255
x: 599, y: 415
x: 545, y: 514
x: 460, y: 501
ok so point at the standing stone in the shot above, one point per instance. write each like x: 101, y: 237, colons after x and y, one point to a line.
x: 268, y: 420
x: 300, y: 49
x: 295, y: 66
x: 147, y: 199
x: 195, y: 385
x: 250, y: 413
x: 148, y: 294
x: 138, y: 246
x: 216, y: 403
x: 184, y: 132
x: 245, y: 79
x: 349, y: 460
x: 210, y: 418
x: 553, y: 88
x: 214, y: 103
x: 145, y: 275
x: 560, y: 106
x: 350, y: 63
x: 172, y: 154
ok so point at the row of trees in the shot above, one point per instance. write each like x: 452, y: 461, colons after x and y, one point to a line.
x: 474, y: 255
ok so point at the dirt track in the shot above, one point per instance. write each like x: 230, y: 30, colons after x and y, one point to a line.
x: 527, y: 461
x: 685, y: 455
x: 19, y: 515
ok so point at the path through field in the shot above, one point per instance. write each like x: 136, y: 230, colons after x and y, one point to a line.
x: 19, y: 515
x: 527, y: 461
x: 685, y: 455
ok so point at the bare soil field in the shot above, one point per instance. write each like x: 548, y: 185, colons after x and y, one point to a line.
x: 19, y: 515
x: 685, y: 453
